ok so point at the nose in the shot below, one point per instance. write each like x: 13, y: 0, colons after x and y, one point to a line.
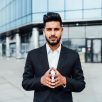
x: 52, y: 32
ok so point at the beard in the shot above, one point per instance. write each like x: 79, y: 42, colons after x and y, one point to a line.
x: 53, y: 42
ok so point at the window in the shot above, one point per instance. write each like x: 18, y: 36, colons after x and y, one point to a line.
x: 77, y: 44
x: 29, y: 6
x: 38, y: 17
x: 94, y: 31
x: 29, y: 10
x: 29, y: 18
x: 92, y: 4
x: 95, y: 13
x: 65, y: 32
x: 13, y: 13
x: 18, y: 8
x: 8, y: 14
x: 24, y: 7
x: 18, y: 22
x: 76, y: 32
x: 56, y: 5
x: 73, y: 4
x: 24, y: 20
x: 39, y: 6
x: 73, y: 15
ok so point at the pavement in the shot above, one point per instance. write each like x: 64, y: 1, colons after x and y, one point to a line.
x: 11, y: 71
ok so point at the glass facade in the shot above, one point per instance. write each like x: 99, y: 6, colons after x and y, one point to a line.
x: 69, y: 9
x: 18, y: 13
x: 14, y: 13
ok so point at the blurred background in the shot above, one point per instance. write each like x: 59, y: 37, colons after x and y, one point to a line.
x: 21, y: 31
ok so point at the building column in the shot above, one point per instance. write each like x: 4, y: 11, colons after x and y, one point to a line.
x: 18, y: 46
x: 34, y: 41
x: 7, y: 47
x: 0, y: 49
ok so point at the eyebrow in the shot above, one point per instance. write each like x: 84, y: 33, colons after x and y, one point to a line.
x: 52, y: 28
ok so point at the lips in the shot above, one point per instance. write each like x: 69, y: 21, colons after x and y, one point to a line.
x: 53, y: 38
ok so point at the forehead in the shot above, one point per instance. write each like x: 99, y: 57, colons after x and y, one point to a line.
x: 52, y: 24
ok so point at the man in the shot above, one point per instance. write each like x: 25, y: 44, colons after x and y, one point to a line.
x: 53, y: 59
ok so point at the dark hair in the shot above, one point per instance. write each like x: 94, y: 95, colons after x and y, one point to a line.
x: 51, y: 16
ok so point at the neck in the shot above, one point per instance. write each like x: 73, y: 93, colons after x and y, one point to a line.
x: 53, y: 48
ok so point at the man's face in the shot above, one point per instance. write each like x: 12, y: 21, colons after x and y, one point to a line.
x: 53, y: 32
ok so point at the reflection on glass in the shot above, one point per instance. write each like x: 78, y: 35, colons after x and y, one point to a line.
x: 73, y: 4
x: 97, y: 50
x: 73, y: 14
x: 93, y: 13
x: 56, y: 5
x: 92, y: 4
x: 89, y: 51
x: 12, y: 49
x: 75, y: 44
x: 39, y: 6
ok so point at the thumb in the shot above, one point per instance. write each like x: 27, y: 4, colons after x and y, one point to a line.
x: 57, y: 72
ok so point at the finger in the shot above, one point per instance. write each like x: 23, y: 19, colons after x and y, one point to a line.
x: 48, y: 82
x: 48, y: 79
x: 56, y: 79
x: 53, y: 84
x: 56, y: 71
x: 51, y: 70
x: 48, y: 73
x: 50, y: 85
x: 58, y: 84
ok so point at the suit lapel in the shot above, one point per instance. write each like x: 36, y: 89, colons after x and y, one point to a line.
x: 44, y: 58
x: 62, y: 58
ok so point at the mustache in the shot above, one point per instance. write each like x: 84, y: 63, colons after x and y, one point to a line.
x: 52, y: 36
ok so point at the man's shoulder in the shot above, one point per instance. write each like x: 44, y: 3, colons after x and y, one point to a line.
x: 36, y: 51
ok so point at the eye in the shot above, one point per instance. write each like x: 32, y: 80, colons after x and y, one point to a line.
x: 48, y: 29
x: 57, y: 29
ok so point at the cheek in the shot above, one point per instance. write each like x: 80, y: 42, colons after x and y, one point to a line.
x: 58, y: 35
x: 47, y: 35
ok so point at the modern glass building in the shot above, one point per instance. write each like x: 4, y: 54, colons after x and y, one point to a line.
x: 21, y: 26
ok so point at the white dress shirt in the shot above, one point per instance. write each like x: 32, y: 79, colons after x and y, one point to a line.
x: 53, y: 56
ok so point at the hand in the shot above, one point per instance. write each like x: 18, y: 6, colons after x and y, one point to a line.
x: 52, y: 74
x: 59, y: 80
x: 46, y: 79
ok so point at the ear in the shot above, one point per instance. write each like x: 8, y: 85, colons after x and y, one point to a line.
x: 62, y: 29
x: 43, y: 31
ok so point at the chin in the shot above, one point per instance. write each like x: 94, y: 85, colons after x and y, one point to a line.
x: 53, y: 44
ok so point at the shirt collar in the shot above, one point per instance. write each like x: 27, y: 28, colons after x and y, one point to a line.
x: 49, y: 49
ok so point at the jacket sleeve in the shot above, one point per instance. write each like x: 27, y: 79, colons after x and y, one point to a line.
x: 30, y: 82
x: 76, y: 83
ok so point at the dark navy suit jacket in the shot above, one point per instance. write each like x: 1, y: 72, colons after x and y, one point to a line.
x: 69, y: 66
